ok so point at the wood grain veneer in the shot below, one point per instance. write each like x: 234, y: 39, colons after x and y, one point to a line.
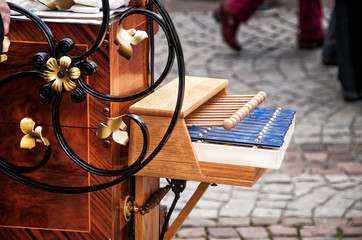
x: 26, y: 213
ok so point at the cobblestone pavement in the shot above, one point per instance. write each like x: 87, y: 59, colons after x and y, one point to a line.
x: 317, y: 193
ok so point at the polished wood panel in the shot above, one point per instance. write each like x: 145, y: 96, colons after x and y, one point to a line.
x: 85, y: 216
x: 22, y: 206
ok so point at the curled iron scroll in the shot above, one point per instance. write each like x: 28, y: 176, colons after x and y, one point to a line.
x: 40, y: 60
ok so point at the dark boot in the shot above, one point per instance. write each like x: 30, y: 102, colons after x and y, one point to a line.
x: 229, y: 27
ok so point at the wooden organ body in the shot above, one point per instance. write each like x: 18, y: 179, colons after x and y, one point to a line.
x: 28, y: 213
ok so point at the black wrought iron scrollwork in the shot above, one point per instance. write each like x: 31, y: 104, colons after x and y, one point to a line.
x: 80, y: 91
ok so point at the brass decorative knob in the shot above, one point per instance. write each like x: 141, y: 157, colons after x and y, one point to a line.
x: 130, y: 207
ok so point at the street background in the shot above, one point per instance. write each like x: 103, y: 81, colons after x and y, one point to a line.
x: 317, y: 193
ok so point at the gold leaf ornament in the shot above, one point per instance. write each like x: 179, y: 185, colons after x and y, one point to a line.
x: 60, y: 74
x: 124, y: 38
x: 32, y: 136
x: 116, y: 127
x: 6, y: 45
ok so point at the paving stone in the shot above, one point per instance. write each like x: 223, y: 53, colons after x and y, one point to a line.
x: 277, y: 178
x: 292, y: 168
x: 199, y: 222
x: 318, y: 231
x: 252, y: 232
x: 354, y: 213
x: 337, y: 178
x: 352, y: 231
x: 233, y: 222
x: 204, y: 213
x: 334, y: 207
x: 191, y: 233
x: 323, y: 169
x: 338, y: 148
x: 222, y: 232
x: 249, y: 195
x: 277, y: 188
x: 278, y: 230
x: 236, y: 208
x: 357, y: 148
x: 272, y: 204
x: 189, y: 238
x: 316, y: 156
x: 207, y: 204
x: 343, y: 186
x: 275, y: 197
x: 341, y: 157
x: 284, y: 238
x: 306, y: 213
x: 358, y: 205
x: 224, y: 238
x: 320, y: 238
x: 311, y: 200
x: 352, y: 193
x: 266, y: 212
x: 351, y: 167
x: 292, y: 156
x: 302, y: 188
x: 308, y: 178
x: 297, y: 222
x: 319, y: 147
x: 264, y: 221
x: 357, y: 221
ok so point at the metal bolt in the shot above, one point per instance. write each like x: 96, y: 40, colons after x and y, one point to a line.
x: 105, y: 43
x: 107, y: 144
x: 106, y: 110
x: 108, y: 239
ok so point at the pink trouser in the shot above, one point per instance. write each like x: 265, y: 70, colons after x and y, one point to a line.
x: 310, y: 13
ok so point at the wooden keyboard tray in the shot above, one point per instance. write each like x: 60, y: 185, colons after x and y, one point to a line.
x: 177, y: 160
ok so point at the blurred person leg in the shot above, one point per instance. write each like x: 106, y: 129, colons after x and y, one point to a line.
x: 232, y: 13
x: 329, y: 52
x: 311, y: 32
x: 349, y: 48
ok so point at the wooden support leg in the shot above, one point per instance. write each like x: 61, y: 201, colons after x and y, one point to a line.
x: 201, y: 189
x: 146, y: 226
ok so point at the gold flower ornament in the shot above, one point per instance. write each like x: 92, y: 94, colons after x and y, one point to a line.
x: 6, y: 45
x: 116, y: 127
x: 32, y: 136
x: 60, y: 74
